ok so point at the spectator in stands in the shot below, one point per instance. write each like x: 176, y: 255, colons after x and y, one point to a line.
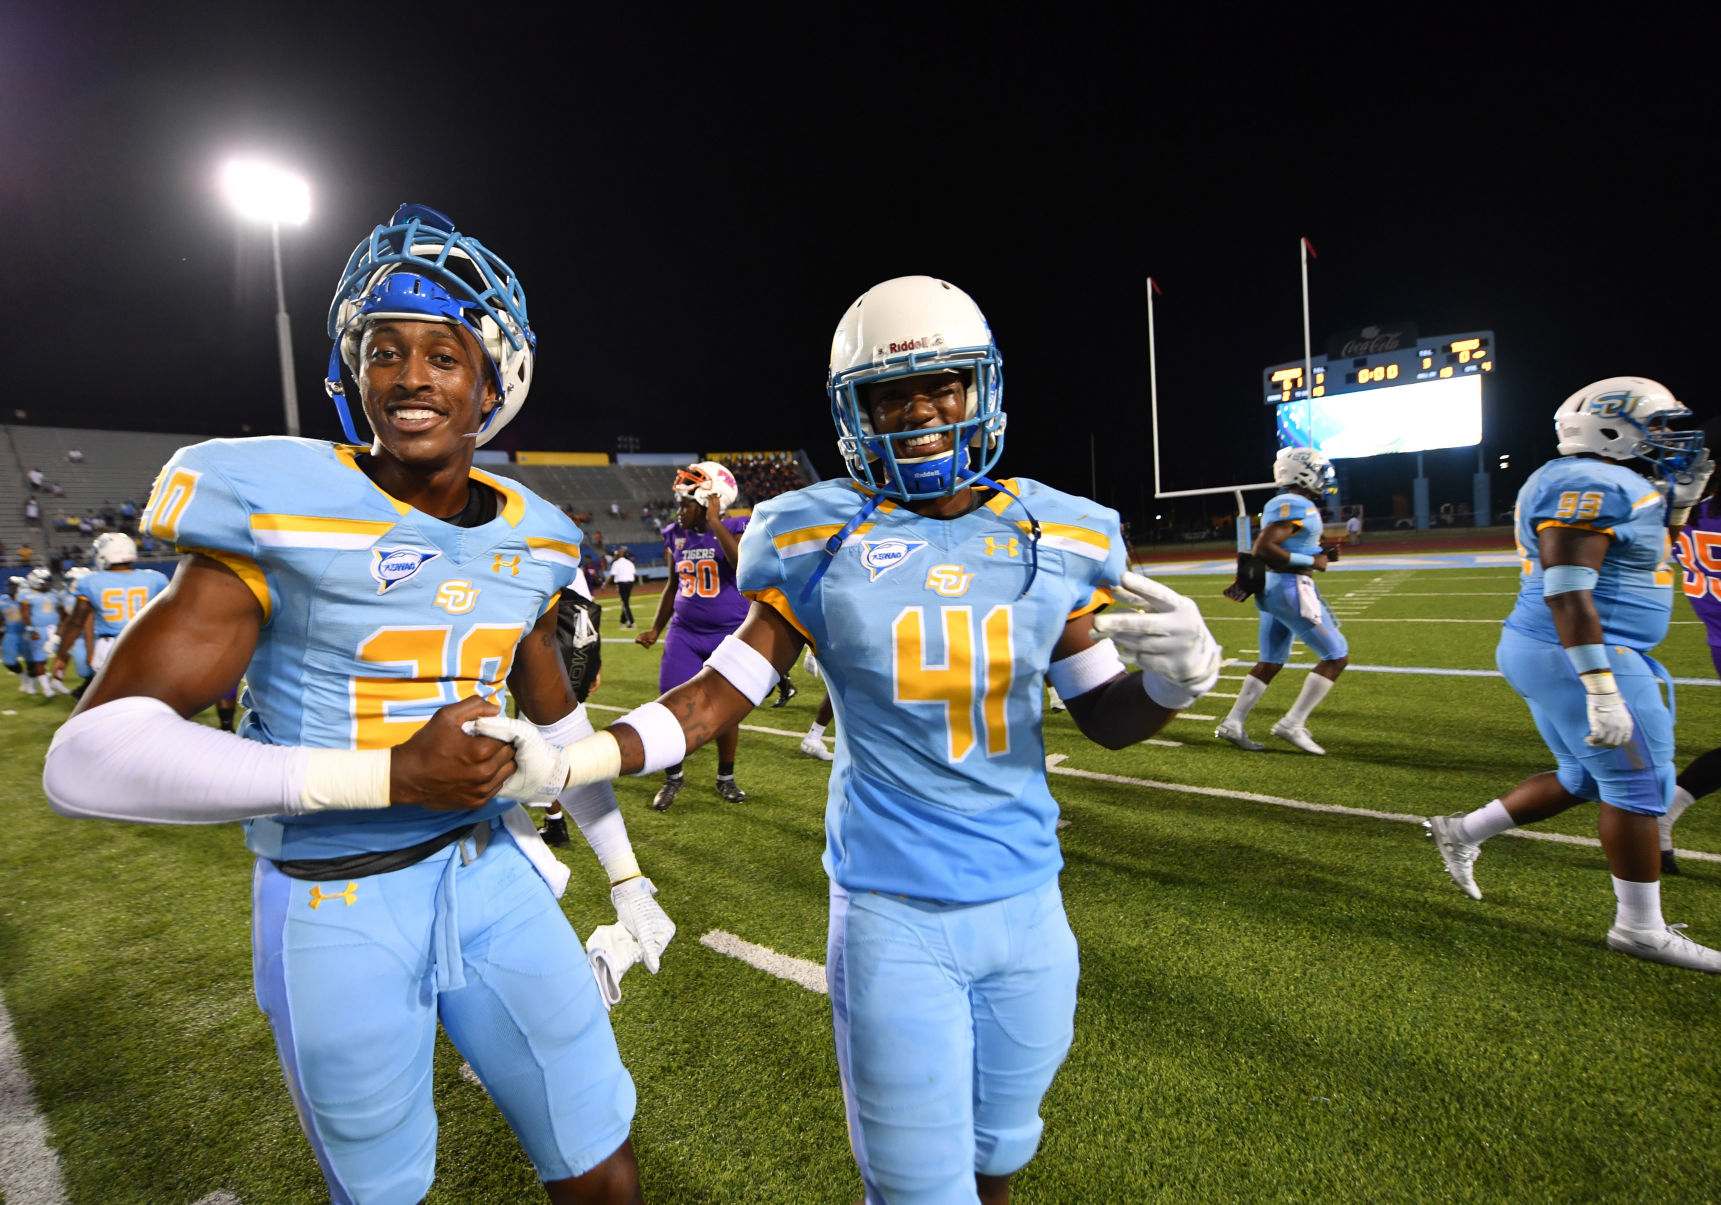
x: 32, y: 510
x: 26, y: 554
x: 1353, y: 529
x: 56, y: 489
x: 85, y: 527
x: 615, y: 510
x: 75, y: 456
x: 646, y: 515
x: 2, y: 552
x: 35, y: 476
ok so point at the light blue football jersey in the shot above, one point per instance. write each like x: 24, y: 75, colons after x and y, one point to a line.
x: 934, y: 661
x: 375, y: 614
x: 117, y: 595
x: 41, y: 608
x: 1634, y: 590
x: 14, y: 613
x: 1295, y: 508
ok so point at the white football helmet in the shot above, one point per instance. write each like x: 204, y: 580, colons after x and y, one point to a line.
x: 419, y: 268
x: 1303, y: 468
x: 912, y: 326
x: 705, y: 480
x: 38, y: 579
x: 113, y: 548
x: 1624, y: 417
x: 76, y: 574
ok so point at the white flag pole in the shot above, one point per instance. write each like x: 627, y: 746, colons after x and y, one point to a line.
x: 1308, y: 353
x: 1153, y: 383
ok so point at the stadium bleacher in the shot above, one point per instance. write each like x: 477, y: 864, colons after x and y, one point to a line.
x: 119, y: 466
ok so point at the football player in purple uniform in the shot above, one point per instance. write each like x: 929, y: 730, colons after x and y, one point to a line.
x: 1699, y: 552
x: 700, y: 605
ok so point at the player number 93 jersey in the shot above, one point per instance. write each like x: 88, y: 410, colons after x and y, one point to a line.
x: 1634, y: 587
x: 934, y: 661
x: 375, y: 614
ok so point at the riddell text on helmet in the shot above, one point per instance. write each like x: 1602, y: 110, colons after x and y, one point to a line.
x: 911, y: 345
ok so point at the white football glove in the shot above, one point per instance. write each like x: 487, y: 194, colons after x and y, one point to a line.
x: 643, y: 917
x: 1610, y: 720
x: 1688, y: 487
x: 51, y: 645
x: 542, y: 771
x: 611, y: 950
x: 1166, y: 637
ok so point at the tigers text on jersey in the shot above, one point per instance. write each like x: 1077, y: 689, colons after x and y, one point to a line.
x: 117, y: 595
x: 374, y: 614
x: 705, y: 598
x: 1700, y: 556
x: 1295, y: 508
x: 934, y: 662
x: 1634, y: 590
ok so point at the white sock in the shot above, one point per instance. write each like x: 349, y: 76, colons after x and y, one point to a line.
x: 1639, y: 905
x: 554, y: 813
x: 1485, y: 822
x: 1682, y: 799
x: 816, y: 731
x: 1314, y: 690
x: 42, y: 684
x: 1248, y: 695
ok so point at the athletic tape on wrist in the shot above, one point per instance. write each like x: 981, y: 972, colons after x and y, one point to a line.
x: 345, y: 778
x: 660, y: 733
x: 576, y: 725
x: 1301, y: 560
x: 1600, y: 684
x: 1087, y: 670
x: 1587, y: 657
x: 1563, y: 579
x: 744, y: 667
x: 1680, y: 516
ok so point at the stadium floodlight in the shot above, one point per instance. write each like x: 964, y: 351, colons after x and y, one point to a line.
x: 260, y: 192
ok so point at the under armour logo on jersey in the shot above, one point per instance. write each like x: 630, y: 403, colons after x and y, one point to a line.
x: 319, y: 896
x: 881, y: 556
x: 510, y: 563
x: 458, y: 596
x: 392, y: 566
x: 952, y: 581
x: 1006, y: 546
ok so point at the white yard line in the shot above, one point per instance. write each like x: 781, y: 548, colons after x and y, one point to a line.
x: 1328, y: 808
x: 810, y: 975
x: 29, y: 1168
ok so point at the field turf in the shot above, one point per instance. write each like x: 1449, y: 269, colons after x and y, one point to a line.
x: 1276, y: 1004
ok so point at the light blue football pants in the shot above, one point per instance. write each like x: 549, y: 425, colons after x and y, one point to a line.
x: 951, y: 1020
x: 354, y: 976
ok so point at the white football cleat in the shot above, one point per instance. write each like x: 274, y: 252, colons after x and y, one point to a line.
x: 812, y: 746
x: 1235, y: 734
x: 1298, y: 736
x: 1458, y: 854
x: 1667, y: 945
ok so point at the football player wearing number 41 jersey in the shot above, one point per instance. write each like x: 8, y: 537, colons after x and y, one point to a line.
x: 1596, y: 597
x: 939, y: 600
x: 377, y: 596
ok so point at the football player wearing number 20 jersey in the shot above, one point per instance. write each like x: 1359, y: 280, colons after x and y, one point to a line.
x: 939, y: 599
x: 378, y: 596
x: 1596, y: 597
x: 700, y: 605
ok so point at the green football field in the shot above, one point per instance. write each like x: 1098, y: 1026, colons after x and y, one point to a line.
x: 1283, y: 997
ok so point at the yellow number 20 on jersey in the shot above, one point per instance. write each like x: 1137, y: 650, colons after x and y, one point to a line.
x: 483, y: 656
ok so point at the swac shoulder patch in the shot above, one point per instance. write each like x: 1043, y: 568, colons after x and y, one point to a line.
x: 392, y: 566
x: 881, y: 556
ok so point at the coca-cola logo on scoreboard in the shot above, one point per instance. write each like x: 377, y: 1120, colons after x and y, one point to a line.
x: 1371, y: 340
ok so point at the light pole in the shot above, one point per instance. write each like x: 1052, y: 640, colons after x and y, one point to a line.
x: 263, y: 193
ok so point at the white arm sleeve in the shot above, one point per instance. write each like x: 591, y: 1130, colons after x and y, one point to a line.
x: 593, y: 806
x: 136, y: 759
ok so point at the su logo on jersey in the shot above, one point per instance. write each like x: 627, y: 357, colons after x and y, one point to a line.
x: 952, y: 581
x: 457, y: 597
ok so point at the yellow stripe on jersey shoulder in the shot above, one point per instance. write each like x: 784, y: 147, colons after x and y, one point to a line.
x: 317, y: 531
x: 778, y: 602
x: 243, y: 567
x: 1652, y: 496
x: 559, y: 552
x: 1547, y: 523
x: 1067, y: 537
x: 813, y: 539
x: 513, y: 501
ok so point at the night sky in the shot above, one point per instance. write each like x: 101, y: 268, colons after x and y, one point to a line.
x: 692, y: 203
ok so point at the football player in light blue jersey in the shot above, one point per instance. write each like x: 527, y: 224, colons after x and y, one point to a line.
x: 1290, y: 603
x: 938, y: 600
x: 74, y: 643
x: 110, y: 596
x: 1596, y: 597
x: 41, y: 604
x: 376, y: 598
x: 12, y: 651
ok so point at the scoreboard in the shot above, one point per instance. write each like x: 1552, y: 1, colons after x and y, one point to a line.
x: 1430, y: 360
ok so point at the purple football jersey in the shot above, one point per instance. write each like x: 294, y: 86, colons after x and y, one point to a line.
x: 1700, y: 557
x: 707, y: 600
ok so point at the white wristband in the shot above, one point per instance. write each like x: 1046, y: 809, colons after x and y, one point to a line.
x: 345, y: 778
x: 1089, y: 669
x: 744, y: 667
x: 660, y: 734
